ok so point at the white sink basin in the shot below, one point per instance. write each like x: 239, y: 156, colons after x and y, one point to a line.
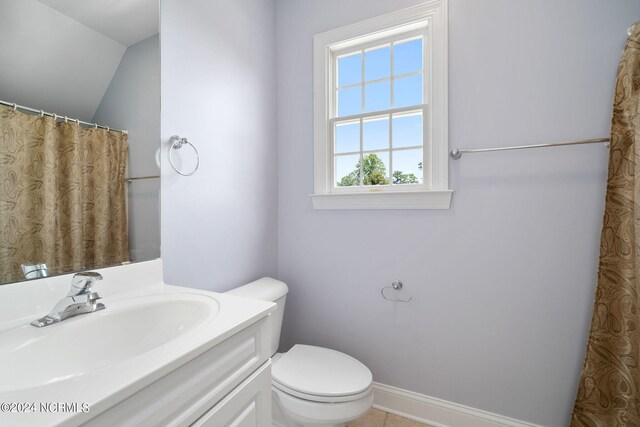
x: 92, y: 342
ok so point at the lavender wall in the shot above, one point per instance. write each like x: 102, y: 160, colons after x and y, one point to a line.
x: 219, y: 226
x: 502, y: 283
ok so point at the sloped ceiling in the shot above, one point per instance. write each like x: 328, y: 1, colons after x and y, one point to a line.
x: 125, y: 21
x: 53, y: 62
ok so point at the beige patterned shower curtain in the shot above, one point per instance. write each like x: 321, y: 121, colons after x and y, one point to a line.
x: 62, y: 195
x: 609, y: 389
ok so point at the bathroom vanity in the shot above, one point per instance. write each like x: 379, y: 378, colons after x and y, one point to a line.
x: 157, y: 355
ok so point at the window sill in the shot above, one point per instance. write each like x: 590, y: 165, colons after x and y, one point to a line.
x: 388, y: 200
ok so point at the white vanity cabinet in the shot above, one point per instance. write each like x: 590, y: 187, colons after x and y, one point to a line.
x: 228, y: 385
x: 158, y: 355
x: 248, y: 405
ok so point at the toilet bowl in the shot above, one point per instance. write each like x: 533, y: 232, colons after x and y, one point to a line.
x: 311, y: 386
x: 315, y: 386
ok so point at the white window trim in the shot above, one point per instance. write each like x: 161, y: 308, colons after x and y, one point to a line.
x: 437, y: 194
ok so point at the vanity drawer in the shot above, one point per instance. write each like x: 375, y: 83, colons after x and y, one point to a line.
x: 249, y: 405
x: 184, y: 395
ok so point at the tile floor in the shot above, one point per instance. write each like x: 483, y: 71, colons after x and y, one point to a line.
x: 378, y: 418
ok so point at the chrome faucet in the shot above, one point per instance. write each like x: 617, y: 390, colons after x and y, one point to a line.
x: 81, y: 299
x: 34, y: 271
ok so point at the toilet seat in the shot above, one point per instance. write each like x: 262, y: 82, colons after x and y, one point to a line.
x: 320, y: 398
x: 321, y: 375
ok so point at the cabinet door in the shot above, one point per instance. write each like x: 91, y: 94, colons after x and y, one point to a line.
x: 248, y: 405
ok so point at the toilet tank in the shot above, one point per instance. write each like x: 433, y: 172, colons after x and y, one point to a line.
x: 267, y: 289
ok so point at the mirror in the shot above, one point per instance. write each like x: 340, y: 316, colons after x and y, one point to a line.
x: 77, y: 196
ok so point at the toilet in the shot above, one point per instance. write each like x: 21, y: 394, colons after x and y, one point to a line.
x: 311, y: 386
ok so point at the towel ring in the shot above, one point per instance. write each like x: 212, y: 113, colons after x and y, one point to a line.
x: 177, y: 144
x: 157, y: 157
x: 397, y: 285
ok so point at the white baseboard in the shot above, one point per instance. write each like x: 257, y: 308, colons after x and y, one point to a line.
x: 437, y: 412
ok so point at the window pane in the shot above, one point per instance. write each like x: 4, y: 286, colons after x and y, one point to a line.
x: 407, y: 166
x: 350, y: 70
x: 407, y: 91
x: 376, y: 168
x: 377, y: 64
x: 407, y: 130
x: 349, y: 101
x: 377, y: 96
x: 347, y: 170
x: 407, y: 57
x: 375, y: 134
x: 347, y: 137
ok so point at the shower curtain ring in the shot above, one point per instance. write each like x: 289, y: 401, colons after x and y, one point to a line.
x: 108, y: 130
x: 55, y: 117
x: 66, y: 119
x: 78, y: 122
x: 41, y: 113
x: 15, y: 106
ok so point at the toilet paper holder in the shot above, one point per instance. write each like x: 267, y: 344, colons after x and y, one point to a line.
x: 397, y: 285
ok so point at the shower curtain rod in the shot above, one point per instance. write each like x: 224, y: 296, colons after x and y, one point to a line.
x: 456, y: 153
x: 56, y: 117
x: 138, y: 178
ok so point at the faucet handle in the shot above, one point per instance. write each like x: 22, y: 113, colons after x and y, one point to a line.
x: 93, y: 297
x: 93, y: 274
x: 82, y: 282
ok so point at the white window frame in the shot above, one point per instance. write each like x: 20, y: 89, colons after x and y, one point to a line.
x: 430, y: 21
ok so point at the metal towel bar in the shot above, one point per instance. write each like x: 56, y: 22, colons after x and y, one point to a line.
x: 456, y: 153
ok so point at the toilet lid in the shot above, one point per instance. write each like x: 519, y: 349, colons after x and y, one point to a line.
x: 317, y: 371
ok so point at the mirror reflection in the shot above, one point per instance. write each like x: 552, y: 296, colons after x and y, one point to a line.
x: 79, y: 130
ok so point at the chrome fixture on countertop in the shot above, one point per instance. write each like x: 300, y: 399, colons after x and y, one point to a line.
x: 34, y: 271
x: 81, y: 299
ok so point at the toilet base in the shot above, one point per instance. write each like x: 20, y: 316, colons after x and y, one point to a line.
x: 280, y: 420
x: 283, y: 423
x: 315, y: 414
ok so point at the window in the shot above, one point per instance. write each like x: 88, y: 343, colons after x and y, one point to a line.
x: 378, y: 122
x: 381, y: 112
